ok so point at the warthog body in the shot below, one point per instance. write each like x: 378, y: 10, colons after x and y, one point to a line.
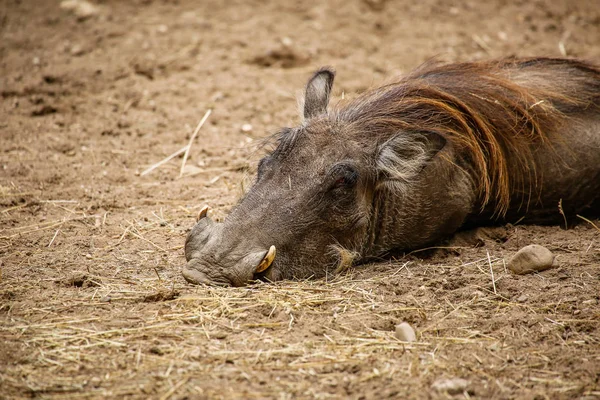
x: 405, y: 165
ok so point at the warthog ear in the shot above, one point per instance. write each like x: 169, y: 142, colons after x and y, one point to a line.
x: 402, y: 158
x: 317, y: 92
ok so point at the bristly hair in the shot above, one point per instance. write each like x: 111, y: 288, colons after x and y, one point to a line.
x: 280, y: 142
x: 494, y: 112
x: 345, y: 258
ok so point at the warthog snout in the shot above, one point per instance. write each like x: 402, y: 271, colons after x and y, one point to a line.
x: 214, y: 259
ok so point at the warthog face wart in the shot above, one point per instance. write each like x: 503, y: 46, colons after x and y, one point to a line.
x: 398, y: 167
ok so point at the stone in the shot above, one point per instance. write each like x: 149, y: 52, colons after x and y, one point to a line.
x: 532, y: 258
x: 77, y: 50
x: 522, y: 298
x: 451, y: 386
x: 80, y: 8
x: 405, y: 333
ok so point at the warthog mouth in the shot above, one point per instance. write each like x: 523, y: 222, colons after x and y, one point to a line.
x: 251, y: 267
x: 197, y: 277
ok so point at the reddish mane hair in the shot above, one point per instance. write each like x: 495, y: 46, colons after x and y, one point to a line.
x: 495, y: 113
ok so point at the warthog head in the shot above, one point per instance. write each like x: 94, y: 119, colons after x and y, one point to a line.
x: 339, y: 189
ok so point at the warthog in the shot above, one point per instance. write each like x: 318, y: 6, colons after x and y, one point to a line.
x: 405, y: 165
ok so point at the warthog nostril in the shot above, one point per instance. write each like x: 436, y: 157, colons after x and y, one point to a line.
x: 202, y: 213
x: 267, y: 260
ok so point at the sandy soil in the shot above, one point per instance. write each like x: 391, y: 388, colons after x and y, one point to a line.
x: 92, y: 303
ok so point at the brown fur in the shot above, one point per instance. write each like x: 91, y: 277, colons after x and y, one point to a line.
x: 495, y: 111
x: 405, y: 165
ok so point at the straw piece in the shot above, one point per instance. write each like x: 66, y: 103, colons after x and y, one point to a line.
x: 174, y: 389
x: 491, y: 272
x: 53, y: 237
x: 589, y: 222
x: 189, y: 146
x: 164, y: 161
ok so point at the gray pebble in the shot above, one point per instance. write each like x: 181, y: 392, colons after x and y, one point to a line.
x: 405, y: 333
x: 451, y: 386
x: 532, y: 258
x: 522, y: 298
x: 82, y: 9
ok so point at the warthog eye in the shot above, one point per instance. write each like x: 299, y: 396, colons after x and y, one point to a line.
x: 344, y: 175
x: 345, y: 181
x: 341, y: 181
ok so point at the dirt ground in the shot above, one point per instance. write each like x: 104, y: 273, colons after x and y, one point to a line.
x: 92, y: 303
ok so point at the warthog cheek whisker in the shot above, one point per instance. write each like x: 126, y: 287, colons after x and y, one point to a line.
x: 346, y: 258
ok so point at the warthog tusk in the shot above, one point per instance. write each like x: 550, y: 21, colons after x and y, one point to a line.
x: 267, y: 261
x: 202, y: 213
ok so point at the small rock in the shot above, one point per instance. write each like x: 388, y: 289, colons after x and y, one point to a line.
x: 532, y: 258
x: 80, y: 8
x: 156, y: 350
x: 495, y: 346
x: 77, y: 50
x: 451, y: 386
x: 219, y: 335
x: 405, y: 333
x: 246, y: 128
x: 106, y: 299
x: 286, y: 41
x: 523, y: 298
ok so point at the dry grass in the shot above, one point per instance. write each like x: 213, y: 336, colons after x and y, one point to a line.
x: 119, y: 321
x: 92, y: 303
